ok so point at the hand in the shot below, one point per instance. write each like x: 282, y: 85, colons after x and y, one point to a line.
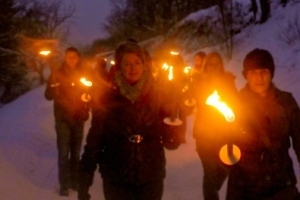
x: 54, y: 85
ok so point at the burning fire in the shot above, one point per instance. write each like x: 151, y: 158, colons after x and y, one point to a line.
x: 86, y: 82
x: 214, y: 100
x: 45, y: 53
x: 174, y: 53
x: 187, y: 69
x: 112, y: 62
x: 165, y: 66
x: 170, y: 76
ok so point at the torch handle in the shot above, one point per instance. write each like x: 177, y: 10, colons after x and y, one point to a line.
x: 230, y: 149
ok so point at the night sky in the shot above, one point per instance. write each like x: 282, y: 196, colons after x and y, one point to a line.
x: 87, y: 20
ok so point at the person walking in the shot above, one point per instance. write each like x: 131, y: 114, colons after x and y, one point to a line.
x: 210, y: 127
x: 70, y: 113
x: 127, y: 135
x: 270, y: 121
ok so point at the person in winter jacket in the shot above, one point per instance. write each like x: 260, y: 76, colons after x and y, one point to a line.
x: 210, y: 129
x: 70, y: 113
x: 270, y: 120
x: 127, y: 135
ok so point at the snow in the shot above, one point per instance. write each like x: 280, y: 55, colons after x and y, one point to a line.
x: 28, y: 155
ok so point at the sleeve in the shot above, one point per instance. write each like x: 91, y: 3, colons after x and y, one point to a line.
x: 51, y: 91
x: 295, y: 126
x: 91, y: 155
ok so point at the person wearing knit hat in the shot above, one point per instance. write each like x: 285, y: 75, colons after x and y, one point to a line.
x: 269, y: 120
x: 259, y: 70
x: 128, y: 137
x: 259, y: 59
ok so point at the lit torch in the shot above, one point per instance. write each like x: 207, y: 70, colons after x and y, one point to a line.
x: 85, y: 96
x: 230, y: 154
x: 173, y: 120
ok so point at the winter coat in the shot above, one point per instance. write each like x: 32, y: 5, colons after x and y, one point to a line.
x: 210, y: 126
x: 113, y: 139
x: 67, y: 96
x: 265, y: 168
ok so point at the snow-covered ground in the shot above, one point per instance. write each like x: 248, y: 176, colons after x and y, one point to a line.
x: 28, y: 155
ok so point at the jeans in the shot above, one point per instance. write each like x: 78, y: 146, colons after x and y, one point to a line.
x: 69, y: 142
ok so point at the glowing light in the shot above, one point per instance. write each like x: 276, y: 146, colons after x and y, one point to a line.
x: 170, y: 76
x: 187, y: 69
x: 174, y: 53
x: 214, y: 100
x: 45, y: 53
x: 230, y: 156
x: 86, y: 82
x: 165, y: 66
x: 112, y: 62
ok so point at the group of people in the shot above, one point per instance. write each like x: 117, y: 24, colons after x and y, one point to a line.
x: 128, y: 134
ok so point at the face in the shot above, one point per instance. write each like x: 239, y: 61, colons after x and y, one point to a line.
x: 132, y: 68
x: 259, y: 80
x: 71, y: 59
x: 214, y: 65
x: 198, y: 60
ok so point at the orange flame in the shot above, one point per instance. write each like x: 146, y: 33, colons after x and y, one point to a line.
x: 45, y: 53
x: 174, y: 53
x: 165, y: 66
x: 187, y: 69
x: 214, y: 100
x: 170, y: 77
x: 86, y: 82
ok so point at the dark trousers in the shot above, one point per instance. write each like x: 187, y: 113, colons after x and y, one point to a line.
x: 69, y: 141
x: 215, y: 173
x: 146, y: 191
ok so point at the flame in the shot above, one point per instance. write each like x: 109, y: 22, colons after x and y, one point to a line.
x: 170, y: 77
x: 187, y: 69
x: 214, y: 100
x: 112, y: 62
x: 165, y: 66
x: 174, y: 53
x: 45, y: 53
x: 86, y: 82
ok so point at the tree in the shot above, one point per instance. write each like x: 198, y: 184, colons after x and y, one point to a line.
x: 36, y: 21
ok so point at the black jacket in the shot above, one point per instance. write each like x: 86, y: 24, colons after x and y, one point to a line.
x: 269, y: 124
x: 68, y: 104
x: 115, y: 126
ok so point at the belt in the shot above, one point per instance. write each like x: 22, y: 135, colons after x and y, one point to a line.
x: 135, y: 138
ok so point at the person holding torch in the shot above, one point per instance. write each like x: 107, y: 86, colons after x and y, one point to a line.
x: 127, y: 135
x: 70, y: 112
x: 211, y: 130
x: 270, y: 121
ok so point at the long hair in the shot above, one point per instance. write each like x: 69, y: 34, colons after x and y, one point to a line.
x: 208, y: 57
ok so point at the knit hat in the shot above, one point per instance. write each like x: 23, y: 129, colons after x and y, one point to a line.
x: 128, y: 47
x: 258, y: 59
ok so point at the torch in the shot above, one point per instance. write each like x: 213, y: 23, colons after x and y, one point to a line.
x: 190, y: 101
x: 85, y: 96
x: 230, y: 154
x: 173, y: 120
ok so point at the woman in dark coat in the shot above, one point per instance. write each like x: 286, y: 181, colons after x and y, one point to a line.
x: 210, y: 127
x: 128, y: 136
x: 269, y: 118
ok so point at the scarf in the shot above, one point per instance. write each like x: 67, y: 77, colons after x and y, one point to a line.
x: 131, y: 92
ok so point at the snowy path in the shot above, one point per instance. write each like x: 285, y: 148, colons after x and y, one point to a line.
x: 28, y: 156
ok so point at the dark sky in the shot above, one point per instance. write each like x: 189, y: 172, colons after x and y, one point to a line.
x: 86, y: 23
